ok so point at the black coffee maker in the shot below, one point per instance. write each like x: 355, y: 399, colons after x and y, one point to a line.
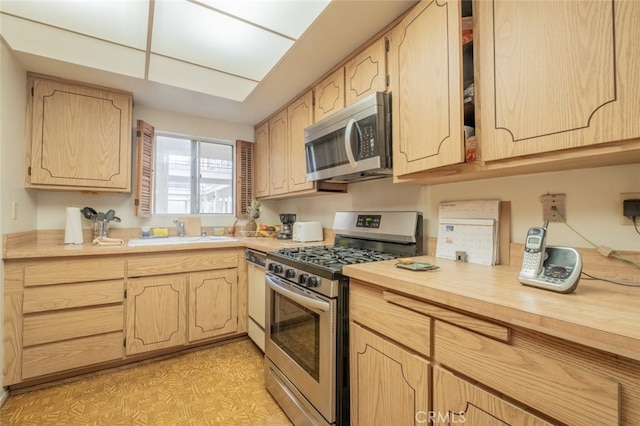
x: 286, y: 230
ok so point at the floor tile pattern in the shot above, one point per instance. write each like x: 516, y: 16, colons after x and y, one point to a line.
x: 221, y: 385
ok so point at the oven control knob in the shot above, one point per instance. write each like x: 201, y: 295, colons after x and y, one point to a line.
x: 290, y: 273
x: 278, y: 268
x: 302, y: 279
x: 312, y: 282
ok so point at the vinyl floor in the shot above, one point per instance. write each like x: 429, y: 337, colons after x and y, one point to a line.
x: 221, y: 385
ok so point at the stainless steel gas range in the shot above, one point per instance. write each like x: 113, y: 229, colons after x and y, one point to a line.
x: 307, y: 341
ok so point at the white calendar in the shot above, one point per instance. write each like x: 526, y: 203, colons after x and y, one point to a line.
x: 470, y: 227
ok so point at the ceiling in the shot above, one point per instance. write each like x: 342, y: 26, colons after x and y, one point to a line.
x: 236, y: 61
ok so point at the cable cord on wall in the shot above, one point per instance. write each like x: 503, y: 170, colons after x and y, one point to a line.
x: 604, y: 251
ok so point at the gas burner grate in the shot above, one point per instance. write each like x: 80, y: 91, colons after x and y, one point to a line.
x: 334, y: 257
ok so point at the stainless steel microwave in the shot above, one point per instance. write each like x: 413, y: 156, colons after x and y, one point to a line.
x: 353, y: 144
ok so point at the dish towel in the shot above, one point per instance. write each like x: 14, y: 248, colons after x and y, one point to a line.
x: 106, y: 241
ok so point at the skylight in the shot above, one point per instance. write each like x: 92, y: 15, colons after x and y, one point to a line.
x: 221, y: 48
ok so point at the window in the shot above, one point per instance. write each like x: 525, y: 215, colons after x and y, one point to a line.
x: 193, y: 176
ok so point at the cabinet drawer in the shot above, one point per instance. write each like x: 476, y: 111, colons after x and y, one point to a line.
x: 174, y: 263
x: 56, y: 326
x: 565, y: 392
x: 64, y: 296
x: 457, y: 401
x: 367, y: 307
x: 60, y: 356
x: 48, y: 272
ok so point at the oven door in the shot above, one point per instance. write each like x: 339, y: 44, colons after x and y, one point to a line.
x: 301, y: 341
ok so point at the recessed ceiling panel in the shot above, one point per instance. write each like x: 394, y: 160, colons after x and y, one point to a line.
x: 192, y: 77
x: 119, y: 21
x: 287, y: 17
x: 41, y: 40
x: 199, y: 35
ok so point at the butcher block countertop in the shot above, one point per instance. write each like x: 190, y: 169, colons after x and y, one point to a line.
x: 598, y: 314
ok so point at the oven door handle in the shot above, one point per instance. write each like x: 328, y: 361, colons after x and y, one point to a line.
x: 307, y: 302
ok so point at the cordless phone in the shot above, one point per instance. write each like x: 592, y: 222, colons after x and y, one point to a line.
x: 534, y: 253
x: 551, y: 268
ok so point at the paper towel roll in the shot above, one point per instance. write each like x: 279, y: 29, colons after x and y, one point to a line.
x: 73, y: 228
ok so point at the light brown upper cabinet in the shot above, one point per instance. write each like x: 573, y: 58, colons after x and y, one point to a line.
x: 261, y: 182
x: 278, y: 134
x: 80, y: 137
x: 366, y: 72
x: 557, y: 75
x: 329, y: 95
x: 300, y: 115
x: 425, y: 58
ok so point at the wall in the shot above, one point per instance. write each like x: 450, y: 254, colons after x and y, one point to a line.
x: 13, y: 83
x: 593, y: 208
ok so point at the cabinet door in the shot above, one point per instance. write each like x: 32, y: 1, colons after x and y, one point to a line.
x: 81, y: 137
x: 425, y: 57
x: 366, y: 73
x: 557, y: 75
x: 329, y: 95
x: 389, y: 385
x: 457, y: 401
x: 156, y: 311
x: 300, y: 117
x: 278, y: 132
x: 261, y: 157
x: 213, y: 303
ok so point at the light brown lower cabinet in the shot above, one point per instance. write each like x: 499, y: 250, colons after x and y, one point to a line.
x: 458, y: 401
x: 68, y: 316
x: 389, y: 384
x: 156, y: 313
x: 213, y: 304
x: 476, y: 371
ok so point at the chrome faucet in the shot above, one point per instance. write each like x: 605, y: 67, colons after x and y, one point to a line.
x: 180, y: 226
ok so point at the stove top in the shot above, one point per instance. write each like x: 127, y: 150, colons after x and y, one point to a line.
x: 361, y: 237
x: 333, y: 258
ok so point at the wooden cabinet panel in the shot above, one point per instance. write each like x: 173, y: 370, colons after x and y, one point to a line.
x: 172, y: 263
x: 300, y: 117
x: 68, y: 354
x: 68, y: 324
x: 213, y: 304
x: 557, y: 75
x: 568, y: 393
x: 389, y: 385
x: 261, y: 180
x: 409, y: 328
x: 156, y: 313
x: 81, y: 137
x: 65, y: 296
x: 366, y: 72
x: 487, y: 328
x: 46, y: 272
x: 329, y: 95
x: 425, y: 58
x: 278, y: 171
x: 457, y: 401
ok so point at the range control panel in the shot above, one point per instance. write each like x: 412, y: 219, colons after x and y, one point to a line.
x: 368, y: 221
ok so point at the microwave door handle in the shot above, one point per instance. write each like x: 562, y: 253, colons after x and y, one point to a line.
x: 317, y: 305
x: 347, y: 142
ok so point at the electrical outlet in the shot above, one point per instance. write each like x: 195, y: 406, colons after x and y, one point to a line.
x: 14, y: 210
x: 627, y: 196
x: 554, y: 207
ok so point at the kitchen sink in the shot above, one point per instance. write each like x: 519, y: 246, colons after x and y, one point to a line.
x: 139, y: 242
